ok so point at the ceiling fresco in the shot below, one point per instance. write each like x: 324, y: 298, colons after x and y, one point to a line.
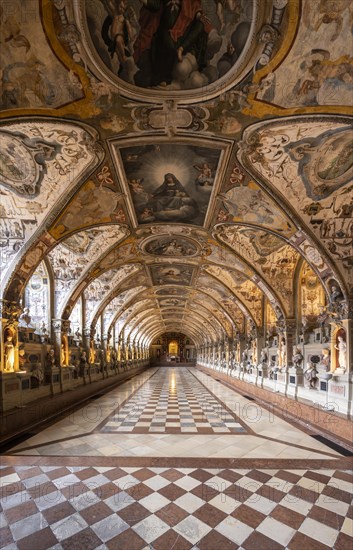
x: 30, y: 79
x: 319, y: 69
x: 168, y: 49
x: 170, y: 183
x: 177, y: 166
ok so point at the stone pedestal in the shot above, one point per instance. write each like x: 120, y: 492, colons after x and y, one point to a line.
x: 282, y: 381
x: 262, y: 374
x: 53, y: 378
x: 339, y: 389
x: 12, y: 385
x: 295, y: 379
x: 253, y: 375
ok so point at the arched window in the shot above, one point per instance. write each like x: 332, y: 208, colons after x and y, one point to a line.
x: 76, y: 317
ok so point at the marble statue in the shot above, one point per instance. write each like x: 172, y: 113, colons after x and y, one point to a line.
x: 37, y: 373
x: 325, y: 359
x: 9, y: 352
x: 25, y: 318
x: 263, y: 356
x: 50, y: 359
x: 311, y: 375
x: 297, y: 358
x: 341, y: 346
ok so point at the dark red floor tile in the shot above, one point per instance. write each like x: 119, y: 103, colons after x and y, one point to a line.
x: 210, y: 515
x: 96, y: 512
x: 22, y: 511
x: 302, y: 542
x: 41, y: 540
x: 215, y: 541
x: 258, y: 541
x: 171, y: 539
x: 128, y: 540
x: 171, y: 514
x: 289, y: 517
x: 248, y: 515
x: 172, y: 491
x: 326, y: 517
x: 84, y: 540
x: 134, y: 513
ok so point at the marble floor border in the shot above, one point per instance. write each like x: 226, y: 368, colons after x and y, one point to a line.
x: 343, y: 463
x: 237, y: 418
x: 305, y: 425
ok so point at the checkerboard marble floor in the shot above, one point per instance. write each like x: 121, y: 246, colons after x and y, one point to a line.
x: 73, y: 486
x: 265, y: 435
x: 173, y: 401
x: 156, y: 508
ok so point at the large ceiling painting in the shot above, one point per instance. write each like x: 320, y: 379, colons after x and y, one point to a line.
x: 171, y: 45
x: 171, y: 246
x: 175, y: 274
x: 170, y: 182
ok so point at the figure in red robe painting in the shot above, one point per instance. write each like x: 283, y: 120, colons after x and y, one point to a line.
x: 169, y: 29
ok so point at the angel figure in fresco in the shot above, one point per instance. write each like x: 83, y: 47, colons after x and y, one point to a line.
x: 330, y: 11
x: 117, y: 31
x: 233, y: 6
x: 205, y: 177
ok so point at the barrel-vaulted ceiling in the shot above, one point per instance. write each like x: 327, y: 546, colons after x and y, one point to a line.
x: 177, y: 164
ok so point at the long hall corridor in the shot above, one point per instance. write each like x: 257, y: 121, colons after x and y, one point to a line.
x: 172, y: 458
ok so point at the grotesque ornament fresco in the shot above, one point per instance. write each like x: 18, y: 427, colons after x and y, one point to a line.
x: 319, y: 67
x: 325, y: 161
x: 30, y: 79
x: 309, y: 160
x: 41, y: 163
x: 250, y: 203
